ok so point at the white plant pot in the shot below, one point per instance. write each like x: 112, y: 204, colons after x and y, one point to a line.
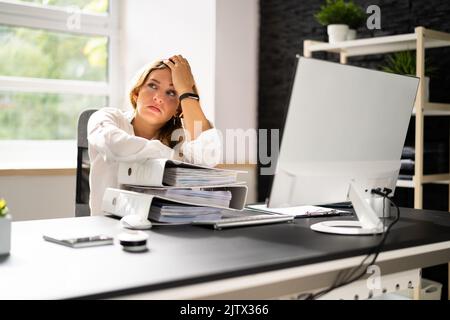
x: 351, y: 34
x: 5, y: 234
x: 337, y: 32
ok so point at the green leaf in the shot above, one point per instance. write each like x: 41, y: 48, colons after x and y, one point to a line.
x: 341, y: 12
x: 404, y: 62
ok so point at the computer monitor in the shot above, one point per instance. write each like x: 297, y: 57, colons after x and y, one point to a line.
x: 343, y: 136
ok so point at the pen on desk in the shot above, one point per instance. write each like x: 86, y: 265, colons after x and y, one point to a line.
x: 319, y: 213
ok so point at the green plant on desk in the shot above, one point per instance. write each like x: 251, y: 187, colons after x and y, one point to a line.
x: 5, y: 228
x: 3, y: 208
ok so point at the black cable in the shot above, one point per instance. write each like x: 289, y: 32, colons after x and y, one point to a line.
x: 377, y: 249
x: 385, y: 195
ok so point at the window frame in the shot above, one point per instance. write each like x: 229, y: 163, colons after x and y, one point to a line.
x: 55, y: 19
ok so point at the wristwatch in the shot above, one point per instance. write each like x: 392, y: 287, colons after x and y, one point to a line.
x: 189, y: 95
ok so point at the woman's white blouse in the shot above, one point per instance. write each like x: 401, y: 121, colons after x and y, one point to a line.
x: 111, y: 140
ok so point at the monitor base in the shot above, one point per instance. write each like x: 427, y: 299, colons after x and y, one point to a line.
x: 345, y: 227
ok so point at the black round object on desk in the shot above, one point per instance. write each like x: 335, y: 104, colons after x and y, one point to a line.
x: 133, y: 241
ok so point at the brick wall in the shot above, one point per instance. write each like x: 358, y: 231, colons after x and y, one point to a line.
x: 285, y: 24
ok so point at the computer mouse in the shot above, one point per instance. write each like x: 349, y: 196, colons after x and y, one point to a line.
x: 135, y: 221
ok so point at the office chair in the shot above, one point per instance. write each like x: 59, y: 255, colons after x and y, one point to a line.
x: 83, y: 166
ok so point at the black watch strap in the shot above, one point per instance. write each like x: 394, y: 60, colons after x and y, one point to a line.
x: 189, y: 95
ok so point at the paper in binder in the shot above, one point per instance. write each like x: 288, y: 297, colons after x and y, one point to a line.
x: 224, y: 196
x: 164, y: 172
x: 162, y: 211
x: 122, y: 202
x: 174, y: 192
x: 179, y: 176
x: 206, y: 196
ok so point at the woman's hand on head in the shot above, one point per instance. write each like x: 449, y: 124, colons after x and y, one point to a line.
x: 182, y: 78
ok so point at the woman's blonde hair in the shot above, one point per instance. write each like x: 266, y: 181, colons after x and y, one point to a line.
x: 173, y: 124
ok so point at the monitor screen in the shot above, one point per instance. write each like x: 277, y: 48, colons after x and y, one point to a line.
x: 344, y: 124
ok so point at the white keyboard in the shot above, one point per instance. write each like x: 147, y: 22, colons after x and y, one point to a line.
x: 247, y: 220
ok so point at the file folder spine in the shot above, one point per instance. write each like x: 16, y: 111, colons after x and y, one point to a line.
x: 148, y: 173
x: 151, y: 172
x: 121, y: 203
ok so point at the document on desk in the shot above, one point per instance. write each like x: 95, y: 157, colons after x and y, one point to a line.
x: 299, y: 211
x: 206, y: 196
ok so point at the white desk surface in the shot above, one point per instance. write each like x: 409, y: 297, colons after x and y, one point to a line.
x: 183, y: 255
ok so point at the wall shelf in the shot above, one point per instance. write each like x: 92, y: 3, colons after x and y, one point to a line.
x: 378, y: 45
x: 420, y: 40
x: 403, y: 183
x: 434, y: 109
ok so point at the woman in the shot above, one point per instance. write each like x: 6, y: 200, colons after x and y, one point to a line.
x: 167, y: 122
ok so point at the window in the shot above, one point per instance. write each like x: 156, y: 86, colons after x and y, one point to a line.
x: 87, y: 6
x: 43, y: 116
x: 56, y: 61
x: 39, y: 53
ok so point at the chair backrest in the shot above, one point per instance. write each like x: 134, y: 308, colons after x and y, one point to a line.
x: 83, y: 166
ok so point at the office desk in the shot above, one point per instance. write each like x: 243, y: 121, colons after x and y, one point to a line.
x: 195, y: 262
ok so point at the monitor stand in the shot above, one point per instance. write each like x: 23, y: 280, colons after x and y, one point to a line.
x: 368, y: 223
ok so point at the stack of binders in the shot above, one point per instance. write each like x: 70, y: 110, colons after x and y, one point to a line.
x: 174, y: 192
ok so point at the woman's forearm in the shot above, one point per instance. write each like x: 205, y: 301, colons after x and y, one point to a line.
x: 194, y: 119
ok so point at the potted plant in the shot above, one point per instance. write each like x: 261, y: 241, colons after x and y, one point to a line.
x: 404, y: 62
x: 339, y: 16
x: 355, y: 19
x: 5, y: 228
